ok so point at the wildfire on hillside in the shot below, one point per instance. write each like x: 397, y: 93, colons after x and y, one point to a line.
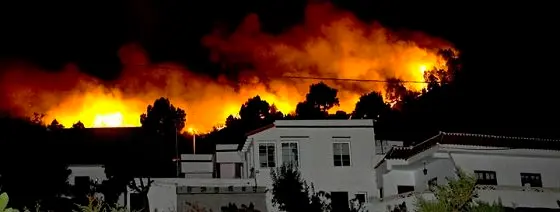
x: 330, y: 44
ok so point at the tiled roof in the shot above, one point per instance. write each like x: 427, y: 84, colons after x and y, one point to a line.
x: 474, y: 140
x: 258, y: 130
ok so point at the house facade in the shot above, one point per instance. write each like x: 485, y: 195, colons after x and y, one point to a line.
x: 210, y: 181
x: 336, y: 156
x: 518, y: 172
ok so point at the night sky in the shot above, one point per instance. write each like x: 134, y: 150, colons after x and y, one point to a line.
x: 510, y: 49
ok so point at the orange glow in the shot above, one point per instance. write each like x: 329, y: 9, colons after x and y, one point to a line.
x: 330, y: 44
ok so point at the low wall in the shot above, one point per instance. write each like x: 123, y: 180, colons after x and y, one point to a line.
x: 214, y: 198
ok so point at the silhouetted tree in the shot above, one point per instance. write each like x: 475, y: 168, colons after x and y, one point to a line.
x: 370, y: 106
x: 253, y: 114
x: 317, y: 102
x: 339, y: 115
x: 27, y: 149
x: 78, y: 125
x: 291, y: 193
x: 163, y: 118
x: 457, y: 195
x: 55, y: 126
x: 37, y: 118
x: 256, y: 113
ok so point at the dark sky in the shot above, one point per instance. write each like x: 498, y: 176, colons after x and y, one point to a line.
x: 52, y: 33
x: 508, y: 47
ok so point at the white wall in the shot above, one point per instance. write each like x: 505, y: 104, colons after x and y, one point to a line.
x: 163, y: 192
x: 440, y: 168
x: 197, y: 166
x: 508, y: 168
x: 94, y: 172
x: 316, y: 155
x: 227, y: 170
x: 396, y: 178
x: 508, y: 164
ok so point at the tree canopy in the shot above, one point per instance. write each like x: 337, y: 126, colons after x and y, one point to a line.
x: 457, y: 195
x: 163, y: 118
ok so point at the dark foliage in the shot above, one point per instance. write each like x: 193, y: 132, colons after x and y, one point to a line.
x: 232, y: 207
x: 253, y: 114
x: 291, y: 193
x: 78, y: 125
x: 163, y: 118
x: 33, y: 169
x: 398, y: 208
x: 370, y: 106
x: 317, y: 102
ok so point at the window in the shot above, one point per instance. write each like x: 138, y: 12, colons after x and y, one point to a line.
x: 136, y: 202
x: 432, y: 184
x: 486, y: 177
x: 238, y: 168
x: 266, y: 155
x: 534, y: 180
x: 82, y: 182
x: 339, y: 201
x: 362, y: 198
x: 290, y: 153
x: 404, y: 189
x: 381, y: 192
x: 341, y: 153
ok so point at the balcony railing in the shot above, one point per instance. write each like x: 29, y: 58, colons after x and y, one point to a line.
x: 510, y: 195
x: 515, y: 188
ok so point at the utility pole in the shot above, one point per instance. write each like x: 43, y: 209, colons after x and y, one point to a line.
x: 193, y: 133
x: 177, y: 159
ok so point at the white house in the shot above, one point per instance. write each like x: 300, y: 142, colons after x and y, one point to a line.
x: 337, y: 156
x: 85, y: 173
x: 210, y: 181
x: 519, y: 172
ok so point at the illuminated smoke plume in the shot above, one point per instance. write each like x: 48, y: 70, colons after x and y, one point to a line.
x: 331, y: 43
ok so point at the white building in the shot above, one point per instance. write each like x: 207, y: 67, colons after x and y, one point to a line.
x: 337, y: 156
x: 210, y: 181
x: 520, y: 172
x: 85, y: 173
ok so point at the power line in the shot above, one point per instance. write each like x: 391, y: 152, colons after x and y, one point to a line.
x: 303, y: 77
x: 346, y: 79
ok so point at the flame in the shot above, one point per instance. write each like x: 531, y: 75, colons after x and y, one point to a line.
x: 330, y: 44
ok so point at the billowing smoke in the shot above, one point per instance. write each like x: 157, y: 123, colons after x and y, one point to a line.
x: 329, y: 44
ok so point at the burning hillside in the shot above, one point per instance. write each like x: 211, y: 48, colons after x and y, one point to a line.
x: 330, y: 44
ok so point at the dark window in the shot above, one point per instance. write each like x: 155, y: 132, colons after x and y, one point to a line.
x: 485, y: 177
x: 218, y: 170
x: 238, y: 167
x: 267, y: 155
x: 432, y: 184
x: 532, y: 179
x: 82, y: 183
x: 341, y: 154
x: 339, y: 202
x: 290, y: 153
x: 136, y: 202
x: 404, y: 189
x: 380, y: 192
x: 361, y: 198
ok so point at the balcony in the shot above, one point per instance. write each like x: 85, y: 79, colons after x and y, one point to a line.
x: 509, y: 196
x: 519, y: 196
x: 219, y: 182
x: 382, y: 204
